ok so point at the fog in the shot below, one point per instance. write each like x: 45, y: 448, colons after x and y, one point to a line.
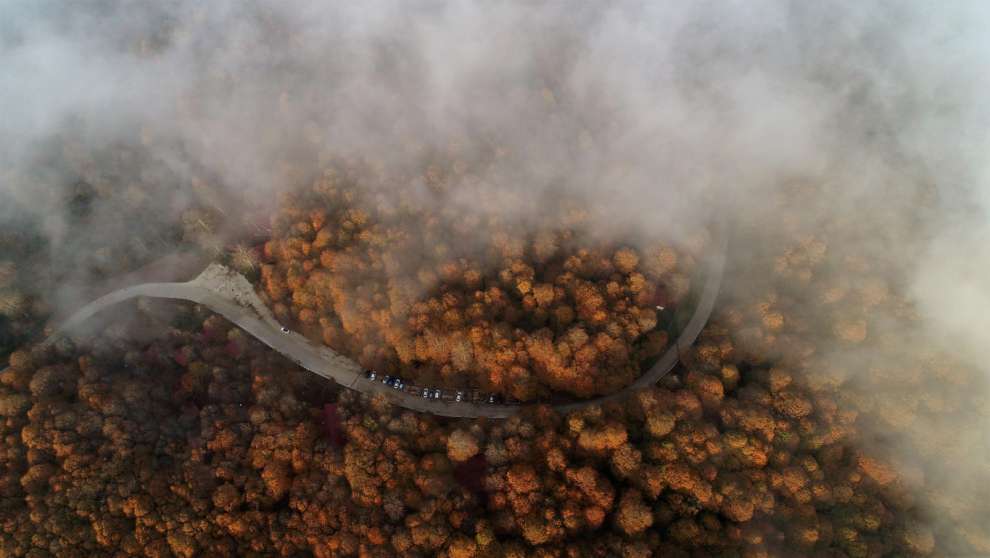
x: 660, y: 115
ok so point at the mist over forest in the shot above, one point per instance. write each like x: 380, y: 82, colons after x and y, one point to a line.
x: 514, y: 198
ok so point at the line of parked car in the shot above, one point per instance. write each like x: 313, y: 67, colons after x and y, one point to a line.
x: 438, y: 394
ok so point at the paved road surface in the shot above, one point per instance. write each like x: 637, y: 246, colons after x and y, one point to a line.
x: 232, y: 296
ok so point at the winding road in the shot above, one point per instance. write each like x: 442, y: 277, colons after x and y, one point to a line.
x: 231, y: 295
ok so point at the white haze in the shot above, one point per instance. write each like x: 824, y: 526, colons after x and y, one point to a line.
x: 690, y: 105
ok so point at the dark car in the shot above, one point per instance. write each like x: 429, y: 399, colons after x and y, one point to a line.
x: 371, y: 375
x: 493, y: 399
x: 436, y: 394
x: 389, y: 381
x: 459, y: 396
x: 425, y: 393
x: 399, y: 384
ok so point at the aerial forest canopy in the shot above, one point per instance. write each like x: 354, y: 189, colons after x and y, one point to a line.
x: 414, y: 285
x: 515, y: 200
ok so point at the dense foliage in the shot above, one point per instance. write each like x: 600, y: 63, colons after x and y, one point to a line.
x: 466, y: 297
